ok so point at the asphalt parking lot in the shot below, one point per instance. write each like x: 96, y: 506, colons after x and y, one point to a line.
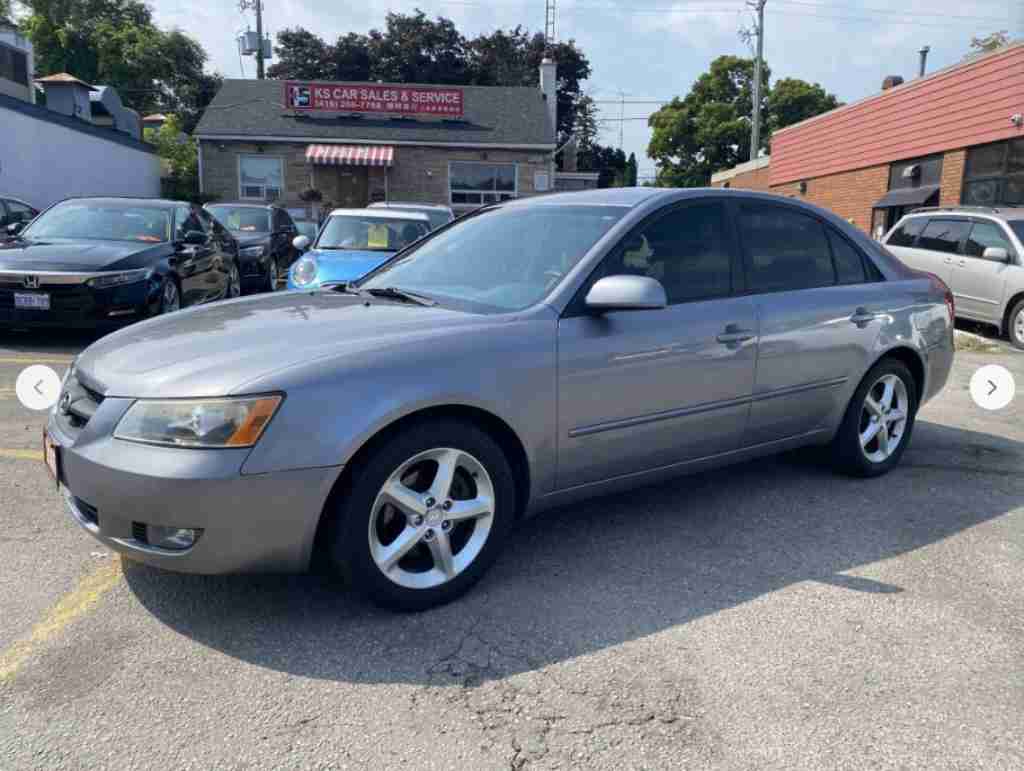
x: 768, y: 615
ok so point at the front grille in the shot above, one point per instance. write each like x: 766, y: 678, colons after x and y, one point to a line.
x: 88, y: 511
x: 78, y: 403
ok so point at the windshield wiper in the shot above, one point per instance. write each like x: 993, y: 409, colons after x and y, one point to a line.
x: 394, y: 293
x: 343, y: 287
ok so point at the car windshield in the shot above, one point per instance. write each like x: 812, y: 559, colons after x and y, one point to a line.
x: 369, y: 233
x: 242, y: 219
x: 103, y: 222
x: 306, y: 228
x: 504, y: 259
x: 1018, y: 228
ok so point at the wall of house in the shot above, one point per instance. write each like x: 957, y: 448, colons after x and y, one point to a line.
x: 756, y: 179
x: 952, y: 183
x: 966, y: 105
x: 418, y: 173
x: 43, y: 163
x: 849, y: 194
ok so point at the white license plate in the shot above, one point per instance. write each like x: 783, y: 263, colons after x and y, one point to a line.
x: 36, y: 302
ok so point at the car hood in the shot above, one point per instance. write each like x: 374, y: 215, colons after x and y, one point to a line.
x: 59, y: 254
x: 347, y: 265
x: 216, y: 350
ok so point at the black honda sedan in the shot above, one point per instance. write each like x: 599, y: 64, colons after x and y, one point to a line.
x: 264, y: 233
x: 106, y: 262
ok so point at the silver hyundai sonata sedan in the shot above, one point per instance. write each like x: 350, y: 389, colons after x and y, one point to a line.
x: 532, y: 354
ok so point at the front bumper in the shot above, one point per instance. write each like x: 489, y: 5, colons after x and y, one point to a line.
x: 77, y: 306
x: 249, y: 523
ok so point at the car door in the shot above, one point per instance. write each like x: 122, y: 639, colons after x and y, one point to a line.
x: 977, y: 283
x: 903, y: 239
x: 194, y: 262
x: 817, y: 302
x: 225, y: 251
x: 640, y: 390
x: 284, y: 232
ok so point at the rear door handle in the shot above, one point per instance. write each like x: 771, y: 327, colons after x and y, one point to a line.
x: 861, y: 317
x: 949, y: 260
x: 962, y: 263
x: 734, y: 334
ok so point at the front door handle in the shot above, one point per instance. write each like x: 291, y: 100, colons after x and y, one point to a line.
x: 949, y: 260
x: 735, y: 334
x: 862, y: 317
x: 962, y: 263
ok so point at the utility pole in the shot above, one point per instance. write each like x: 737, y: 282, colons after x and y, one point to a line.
x: 549, y: 23
x: 755, y: 124
x: 256, y: 5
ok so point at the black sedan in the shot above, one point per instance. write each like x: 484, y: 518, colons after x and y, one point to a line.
x: 106, y: 262
x: 264, y: 233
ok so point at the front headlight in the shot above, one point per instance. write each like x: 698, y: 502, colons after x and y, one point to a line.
x: 252, y: 251
x: 204, y: 423
x: 117, y: 279
x: 304, y: 271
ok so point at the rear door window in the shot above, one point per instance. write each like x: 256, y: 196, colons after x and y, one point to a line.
x: 907, y: 231
x: 942, y: 235
x: 849, y: 262
x: 786, y: 249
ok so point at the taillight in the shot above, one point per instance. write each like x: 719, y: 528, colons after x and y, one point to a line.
x: 947, y: 294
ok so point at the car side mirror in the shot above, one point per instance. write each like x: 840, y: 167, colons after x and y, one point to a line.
x: 194, y: 238
x: 996, y: 254
x: 14, y: 228
x: 626, y: 293
x: 301, y: 243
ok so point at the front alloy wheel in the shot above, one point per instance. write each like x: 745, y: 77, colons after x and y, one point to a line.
x: 234, y: 282
x: 170, y: 300
x: 424, y: 515
x: 272, y: 276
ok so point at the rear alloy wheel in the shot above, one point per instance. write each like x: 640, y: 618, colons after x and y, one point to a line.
x: 234, y: 282
x: 426, y: 516
x: 170, y: 299
x: 876, y: 429
x: 1016, y: 327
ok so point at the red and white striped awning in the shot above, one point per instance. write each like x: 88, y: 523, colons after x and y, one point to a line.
x: 350, y: 155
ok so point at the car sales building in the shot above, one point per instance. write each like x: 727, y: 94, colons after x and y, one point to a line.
x: 954, y: 137
x: 356, y: 143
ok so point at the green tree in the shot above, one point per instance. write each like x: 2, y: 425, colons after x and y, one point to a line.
x: 116, y: 43
x: 5, y: 12
x: 709, y: 129
x: 792, y: 100
x: 179, y: 155
x: 413, y: 48
x: 631, y: 171
x: 990, y: 42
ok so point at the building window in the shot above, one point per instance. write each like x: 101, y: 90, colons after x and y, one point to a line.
x: 994, y: 174
x: 260, y: 177
x: 475, y: 184
x: 14, y: 65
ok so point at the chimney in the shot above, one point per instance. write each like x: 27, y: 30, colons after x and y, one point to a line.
x: 549, y: 87
x: 891, y: 82
x: 924, y: 60
x: 67, y: 95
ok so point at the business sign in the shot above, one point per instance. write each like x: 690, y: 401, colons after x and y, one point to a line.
x: 372, y: 98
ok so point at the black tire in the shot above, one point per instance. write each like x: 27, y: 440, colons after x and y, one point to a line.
x: 272, y: 271
x: 165, y: 300
x: 348, y: 535
x: 1015, y: 332
x: 847, y: 454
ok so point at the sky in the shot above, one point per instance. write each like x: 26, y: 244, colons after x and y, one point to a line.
x: 651, y: 50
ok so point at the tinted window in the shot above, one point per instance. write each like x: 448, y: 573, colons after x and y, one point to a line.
x: 786, y: 249
x: 907, y: 231
x: 19, y: 212
x: 848, y: 261
x: 984, y: 235
x: 1018, y: 228
x: 104, y: 221
x: 242, y: 219
x: 686, y: 250
x: 185, y: 219
x: 943, y: 235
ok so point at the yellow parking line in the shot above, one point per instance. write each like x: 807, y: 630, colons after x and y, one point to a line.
x: 21, y: 454
x: 26, y: 360
x: 70, y: 607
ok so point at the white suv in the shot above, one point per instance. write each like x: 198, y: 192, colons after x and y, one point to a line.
x: 978, y: 252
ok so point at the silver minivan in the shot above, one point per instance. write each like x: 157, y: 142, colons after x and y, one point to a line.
x: 978, y: 252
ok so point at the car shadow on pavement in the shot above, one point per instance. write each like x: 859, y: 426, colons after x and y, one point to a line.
x: 584, y: 578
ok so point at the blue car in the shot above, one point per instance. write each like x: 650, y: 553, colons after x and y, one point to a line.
x: 352, y: 243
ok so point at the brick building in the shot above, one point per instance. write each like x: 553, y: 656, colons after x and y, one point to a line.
x: 955, y: 136
x: 360, y: 142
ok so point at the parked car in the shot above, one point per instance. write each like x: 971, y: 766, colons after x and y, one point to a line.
x: 978, y: 252
x: 15, y: 214
x: 351, y: 243
x: 264, y: 233
x: 439, y: 216
x: 101, y: 262
x: 533, y: 354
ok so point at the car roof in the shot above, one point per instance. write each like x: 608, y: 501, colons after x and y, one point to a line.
x: 410, y: 205
x: 382, y: 214
x: 245, y: 204
x: 1009, y: 214
x: 124, y: 199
